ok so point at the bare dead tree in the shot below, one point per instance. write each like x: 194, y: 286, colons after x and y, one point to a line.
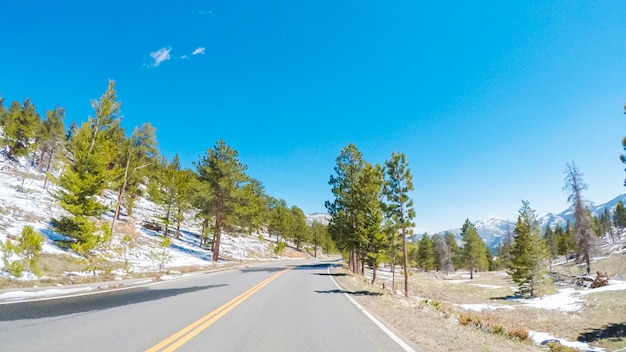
x: 583, y: 230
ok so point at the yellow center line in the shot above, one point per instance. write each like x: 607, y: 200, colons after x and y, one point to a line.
x: 184, y: 335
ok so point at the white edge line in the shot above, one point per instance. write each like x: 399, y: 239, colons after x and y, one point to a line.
x: 378, y: 323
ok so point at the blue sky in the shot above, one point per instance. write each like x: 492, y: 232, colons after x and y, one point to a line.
x: 489, y: 99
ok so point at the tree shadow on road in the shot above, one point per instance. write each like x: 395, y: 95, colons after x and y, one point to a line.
x: 612, y: 332
x: 269, y: 269
x: 355, y: 293
x: 88, y: 303
x: 330, y: 274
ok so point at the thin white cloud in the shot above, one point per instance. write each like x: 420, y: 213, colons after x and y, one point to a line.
x: 160, y: 55
x: 198, y: 51
x: 184, y: 57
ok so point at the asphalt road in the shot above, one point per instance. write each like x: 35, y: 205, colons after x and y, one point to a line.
x: 274, y: 307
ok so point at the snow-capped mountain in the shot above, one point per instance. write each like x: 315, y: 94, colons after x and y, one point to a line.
x: 317, y: 217
x: 494, y: 229
x: 563, y: 217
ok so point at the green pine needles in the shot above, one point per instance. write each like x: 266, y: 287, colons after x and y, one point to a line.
x: 527, y: 262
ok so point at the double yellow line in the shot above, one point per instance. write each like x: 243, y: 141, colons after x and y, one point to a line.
x: 183, y: 336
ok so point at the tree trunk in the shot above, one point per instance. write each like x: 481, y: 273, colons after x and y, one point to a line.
x: 393, y: 272
x: 217, y: 235
x: 405, y: 264
x: 45, y: 182
x: 373, y: 273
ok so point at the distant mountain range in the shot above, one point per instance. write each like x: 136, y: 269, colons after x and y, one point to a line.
x: 317, y: 217
x: 494, y: 229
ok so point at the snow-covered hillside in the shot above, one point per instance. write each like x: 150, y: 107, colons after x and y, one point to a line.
x: 317, y: 217
x: 25, y: 202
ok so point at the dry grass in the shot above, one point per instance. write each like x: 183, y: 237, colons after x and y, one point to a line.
x: 430, y: 326
x: 436, y: 299
x: 614, y: 265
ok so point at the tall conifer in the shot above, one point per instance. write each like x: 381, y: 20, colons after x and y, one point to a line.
x: 528, y: 255
x: 474, y: 249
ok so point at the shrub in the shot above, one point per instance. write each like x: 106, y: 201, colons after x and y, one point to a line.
x: 280, y: 248
x: 557, y: 347
x: 519, y: 334
x: 29, y: 245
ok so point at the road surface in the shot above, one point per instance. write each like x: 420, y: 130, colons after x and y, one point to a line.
x: 273, y: 307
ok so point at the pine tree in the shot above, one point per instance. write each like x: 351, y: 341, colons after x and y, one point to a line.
x: 318, y: 233
x: 253, y: 211
x: 3, y: 112
x: 619, y: 218
x: 474, y: 254
x: 185, y: 184
x: 562, y: 241
x: 373, y: 239
x: 398, y: 184
x: 504, y: 250
x: 528, y: 254
x: 279, y: 221
x: 343, y: 226
x: 88, y: 173
x: 21, y: 124
x: 138, y: 158
x: 52, y: 139
x: 164, y: 190
x: 225, y: 176
x: 356, y: 213
x: 299, y: 231
x: 551, y: 240
x: 426, y: 253
x: 585, y: 239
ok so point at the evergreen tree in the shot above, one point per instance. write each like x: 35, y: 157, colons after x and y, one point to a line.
x: 139, y: 160
x: 371, y: 235
x: 619, y: 218
x: 585, y: 240
x: 86, y: 175
x: 82, y: 180
x: 225, y: 176
x: 474, y: 254
x: 562, y: 241
x: 504, y: 250
x: 319, y: 235
x: 426, y: 253
x: 490, y: 263
x: 280, y: 219
x: 356, y: 214
x: 552, y: 242
x: 202, y: 201
x: 343, y: 226
x: 52, y: 139
x: 299, y: 231
x: 528, y: 254
x: 21, y: 124
x: 184, y: 182
x: 398, y: 184
x: 253, y: 212
x: 3, y: 112
x: 163, y: 190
